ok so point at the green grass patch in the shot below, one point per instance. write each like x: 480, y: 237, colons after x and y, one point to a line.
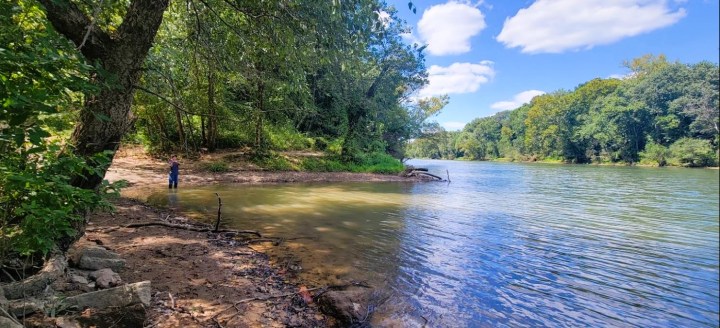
x: 216, y: 167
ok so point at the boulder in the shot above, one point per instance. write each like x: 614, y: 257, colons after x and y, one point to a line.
x: 95, y: 258
x: 137, y: 293
x: 24, y: 307
x: 105, y: 278
x: 347, y: 306
x: 8, y: 323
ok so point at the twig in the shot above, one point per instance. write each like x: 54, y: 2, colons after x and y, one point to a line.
x: 8, y: 275
x: 217, y: 222
x: 448, y: 173
x: 172, y: 301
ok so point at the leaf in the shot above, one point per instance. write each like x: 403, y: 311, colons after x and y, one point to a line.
x: 305, y: 294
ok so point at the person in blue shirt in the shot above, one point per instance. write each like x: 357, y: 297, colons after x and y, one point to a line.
x: 174, y: 172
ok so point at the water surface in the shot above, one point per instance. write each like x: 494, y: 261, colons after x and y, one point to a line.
x: 503, y: 244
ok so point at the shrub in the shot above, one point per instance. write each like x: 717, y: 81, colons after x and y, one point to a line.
x: 692, y: 153
x: 39, y: 206
x: 654, y: 154
x: 216, y: 167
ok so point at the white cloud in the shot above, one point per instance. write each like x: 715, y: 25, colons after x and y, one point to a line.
x: 555, y: 26
x: 448, y: 28
x: 517, y: 101
x: 453, y: 126
x: 457, y: 78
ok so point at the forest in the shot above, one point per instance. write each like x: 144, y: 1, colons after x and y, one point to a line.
x: 662, y: 113
x: 79, y: 78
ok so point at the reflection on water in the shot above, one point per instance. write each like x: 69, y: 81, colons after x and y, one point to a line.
x: 503, y: 244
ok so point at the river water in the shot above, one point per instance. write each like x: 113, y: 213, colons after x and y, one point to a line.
x: 503, y: 244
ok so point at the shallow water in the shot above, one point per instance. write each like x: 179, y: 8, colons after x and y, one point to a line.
x: 503, y: 244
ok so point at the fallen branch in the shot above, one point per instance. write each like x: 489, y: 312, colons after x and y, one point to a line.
x: 188, y: 227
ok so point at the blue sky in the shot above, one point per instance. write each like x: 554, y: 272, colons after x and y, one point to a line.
x: 490, y: 56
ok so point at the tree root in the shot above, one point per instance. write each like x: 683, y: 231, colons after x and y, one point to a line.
x: 54, y: 268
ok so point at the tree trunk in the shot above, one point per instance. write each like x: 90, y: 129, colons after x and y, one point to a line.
x: 106, y: 115
x: 212, y: 119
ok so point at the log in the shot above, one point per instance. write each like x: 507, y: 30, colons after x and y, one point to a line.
x: 54, y: 268
x: 422, y: 173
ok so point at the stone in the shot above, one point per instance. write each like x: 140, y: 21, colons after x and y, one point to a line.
x: 347, y: 306
x: 97, y: 263
x: 78, y: 279
x: 66, y: 322
x: 76, y: 253
x: 7, y: 323
x: 105, y: 278
x: 136, y: 293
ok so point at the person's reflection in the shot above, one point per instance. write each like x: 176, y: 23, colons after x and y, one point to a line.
x: 173, y: 198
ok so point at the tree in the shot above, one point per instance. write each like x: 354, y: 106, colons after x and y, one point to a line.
x: 118, y: 55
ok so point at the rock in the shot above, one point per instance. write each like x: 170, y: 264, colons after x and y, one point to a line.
x: 7, y: 323
x: 348, y: 306
x: 66, y: 322
x: 137, y: 293
x: 95, y: 258
x: 126, y: 316
x: 97, y: 263
x: 105, y: 278
x: 78, y: 279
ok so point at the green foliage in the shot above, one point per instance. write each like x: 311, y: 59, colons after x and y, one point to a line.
x: 42, y: 82
x: 693, y: 153
x: 284, y: 137
x: 654, y: 154
x: 273, y: 162
x: 602, y: 121
x: 216, y: 167
x: 39, y: 206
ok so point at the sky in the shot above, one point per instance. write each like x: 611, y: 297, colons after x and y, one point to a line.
x: 490, y: 56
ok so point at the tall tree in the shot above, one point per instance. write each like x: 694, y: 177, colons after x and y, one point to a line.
x: 118, y: 55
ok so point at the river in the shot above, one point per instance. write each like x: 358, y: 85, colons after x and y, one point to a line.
x: 503, y: 244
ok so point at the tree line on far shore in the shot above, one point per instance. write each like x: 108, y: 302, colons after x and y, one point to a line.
x: 662, y: 113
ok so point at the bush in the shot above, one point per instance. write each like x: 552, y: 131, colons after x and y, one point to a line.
x: 39, y: 206
x: 654, y: 154
x: 216, y: 167
x: 692, y: 153
x: 273, y: 162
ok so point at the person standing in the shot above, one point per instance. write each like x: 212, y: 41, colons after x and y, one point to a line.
x: 174, y: 172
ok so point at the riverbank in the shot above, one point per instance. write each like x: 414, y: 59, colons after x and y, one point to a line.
x: 198, y: 278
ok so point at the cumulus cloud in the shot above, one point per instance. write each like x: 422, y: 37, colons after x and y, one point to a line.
x: 517, y: 101
x: 457, y: 78
x: 556, y: 26
x: 448, y: 28
x: 453, y: 126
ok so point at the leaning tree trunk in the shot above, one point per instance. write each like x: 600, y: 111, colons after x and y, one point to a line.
x: 106, y: 116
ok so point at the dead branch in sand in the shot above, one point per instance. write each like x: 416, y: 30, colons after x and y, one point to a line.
x: 178, y: 226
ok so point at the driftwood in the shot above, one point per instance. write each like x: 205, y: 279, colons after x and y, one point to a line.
x: 54, y: 268
x: 417, y: 173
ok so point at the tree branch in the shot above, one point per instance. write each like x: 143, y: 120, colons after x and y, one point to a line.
x: 70, y: 21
